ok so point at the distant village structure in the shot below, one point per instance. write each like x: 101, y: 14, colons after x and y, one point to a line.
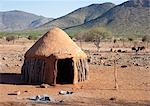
x: 55, y: 59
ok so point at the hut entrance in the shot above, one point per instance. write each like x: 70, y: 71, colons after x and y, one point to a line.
x: 65, y: 71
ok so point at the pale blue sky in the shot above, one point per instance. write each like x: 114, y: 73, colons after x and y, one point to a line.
x: 49, y: 8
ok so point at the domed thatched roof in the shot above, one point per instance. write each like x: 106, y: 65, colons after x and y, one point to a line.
x: 55, y: 42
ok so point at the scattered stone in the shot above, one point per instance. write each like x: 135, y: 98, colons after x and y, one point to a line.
x: 124, y: 66
x: 111, y: 50
x: 61, y: 101
x: 95, y: 54
x: 95, y: 63
x: 6, y: 65
x: 4, y: 58
x: 89, y: 60
x: 137, y: 64
x: 17, y: 65
x: 119, y: 51
x: 44, y: 86
x: 115, y: 51
x: 15, y: 93
x: 124, y: 51
x: 106, y: 64
x: 65, y: 92
x: 112, y: 98
x: 20, y: 59
x: 102, y: 58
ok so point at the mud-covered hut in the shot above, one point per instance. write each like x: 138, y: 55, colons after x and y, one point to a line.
x: 55, y: 59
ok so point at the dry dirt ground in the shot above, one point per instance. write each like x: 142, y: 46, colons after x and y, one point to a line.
x: 133, y: 78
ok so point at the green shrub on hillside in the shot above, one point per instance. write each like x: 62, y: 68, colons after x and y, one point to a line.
x: 93, y: 34
x: 146, y: 38
x: 32, y: 37
x: 10, y: 38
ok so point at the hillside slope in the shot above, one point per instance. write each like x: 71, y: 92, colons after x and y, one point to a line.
x: 19, y: 20
x: 129, y: 18
x: 79, y: 16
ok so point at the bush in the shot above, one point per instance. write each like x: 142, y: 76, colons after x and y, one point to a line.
x: 1, y: 37
x: 32, y: 37
x: 93, y: 34
x: 115, y: 40
x: 146, y: 38
x: 10, y: 38
x: 130, y: 39
x: 98, y: 33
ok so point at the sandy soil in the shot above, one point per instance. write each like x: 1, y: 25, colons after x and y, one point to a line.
x: 133, y: 80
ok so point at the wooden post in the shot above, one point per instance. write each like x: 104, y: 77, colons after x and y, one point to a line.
x: 115, y: 75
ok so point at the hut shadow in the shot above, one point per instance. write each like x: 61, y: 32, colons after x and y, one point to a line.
x: 11, y: 78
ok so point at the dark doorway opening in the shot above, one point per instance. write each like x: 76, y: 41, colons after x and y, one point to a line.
x: 65, y: 72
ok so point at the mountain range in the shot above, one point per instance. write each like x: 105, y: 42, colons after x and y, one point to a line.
x: 79, y: 16
x: 20, y: 20
x: 129, y: 18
